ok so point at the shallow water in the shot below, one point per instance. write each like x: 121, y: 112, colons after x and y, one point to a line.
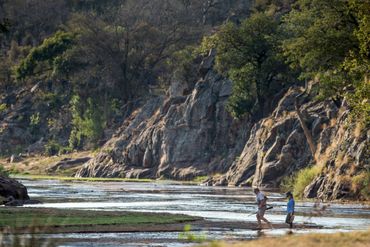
x: 213, y: 203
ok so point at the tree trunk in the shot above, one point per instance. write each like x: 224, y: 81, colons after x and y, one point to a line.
x: 306, y: 131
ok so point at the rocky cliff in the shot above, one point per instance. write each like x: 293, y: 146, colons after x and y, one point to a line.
x: 178, y: 137
x: 277, y: 148
x: 184, y: 136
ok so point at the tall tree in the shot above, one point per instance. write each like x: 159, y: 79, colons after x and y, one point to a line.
x: 249, y: 55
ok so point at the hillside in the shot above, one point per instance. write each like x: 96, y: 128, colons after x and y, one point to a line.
x: 246, y: 93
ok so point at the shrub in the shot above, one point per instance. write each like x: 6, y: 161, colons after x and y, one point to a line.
x: 361, y: 184
x: 3, y: 171
x: 35, y: 119
x: 2, y: 108
x: 52, y: 148
x: 304, y: 178
x: 287, y: 184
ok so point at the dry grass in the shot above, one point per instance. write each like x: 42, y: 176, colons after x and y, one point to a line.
x: 38, y: 164
x: 333, y: 122
x: 268, y: 123
x: 358, y: 129
x: 355, y: 239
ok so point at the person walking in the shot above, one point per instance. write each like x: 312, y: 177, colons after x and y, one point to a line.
x: 290, y: 209
x: 261, y: 202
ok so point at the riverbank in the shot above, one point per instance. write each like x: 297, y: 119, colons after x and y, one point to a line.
x: 353, y: 239
x: 40, y: 164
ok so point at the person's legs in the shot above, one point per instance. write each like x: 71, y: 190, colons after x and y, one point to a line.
x: 258, y: 220
x: 289, y: 219
x: 260, y: 216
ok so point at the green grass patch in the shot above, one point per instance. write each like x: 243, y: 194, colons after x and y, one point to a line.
x: 25, y: 217
x: 304, y: 178
x: 200, y: 179
x: 300, y: 180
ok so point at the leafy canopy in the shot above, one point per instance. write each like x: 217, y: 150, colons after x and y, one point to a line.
x: 249, y: 55
x: 47, y: 51
x: 330, y: 42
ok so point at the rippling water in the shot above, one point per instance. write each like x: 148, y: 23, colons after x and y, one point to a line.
x: 213, y: 203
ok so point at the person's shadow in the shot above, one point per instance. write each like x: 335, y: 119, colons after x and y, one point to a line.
x: 260, y: 234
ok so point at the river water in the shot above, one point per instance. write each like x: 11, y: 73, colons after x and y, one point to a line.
x: 213, y: 203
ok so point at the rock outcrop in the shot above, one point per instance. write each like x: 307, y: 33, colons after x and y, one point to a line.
x: 277, y: 148
x: 179, y: 137
x: 10, y: 187
x: 190, y: 133
x: 67, y: 163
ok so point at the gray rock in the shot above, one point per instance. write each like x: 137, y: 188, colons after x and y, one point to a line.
x: 67, y: 163
x: 11, y: 188
x: 179, y: 137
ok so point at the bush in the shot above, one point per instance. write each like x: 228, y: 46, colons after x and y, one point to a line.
x: 361, y: 184
x: 304, y: 178
x: 87, y: 124
x: 52, y: 148
x: 287, y: 184
x: 3, y: 171
x: 3, y: 108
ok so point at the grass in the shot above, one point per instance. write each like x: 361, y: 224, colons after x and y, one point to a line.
x: 361, y: 184
x: 354, y: 239
x: 200, y: 179
x: 25, y: 217
x: 300, y: 180
x: 39, y: 164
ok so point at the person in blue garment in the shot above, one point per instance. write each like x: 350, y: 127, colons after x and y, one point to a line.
x: 290, y: 209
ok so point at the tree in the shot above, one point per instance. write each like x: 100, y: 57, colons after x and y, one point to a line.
x: 47, y: 51
x: 329, y: 42
x: 249, y: 55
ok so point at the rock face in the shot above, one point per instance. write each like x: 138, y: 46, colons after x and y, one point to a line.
x: 277, y: 148
x: 179, y: 137
x: 12, y: 188
x: 189, y: 135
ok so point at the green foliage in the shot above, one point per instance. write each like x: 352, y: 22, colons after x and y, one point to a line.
x: 361, y: 184
x: 329, y: 41
x: 87, y: 124
x: 191, y: 237
x: 303, y: 178
x: 360, y: 102
x: 52, y: 148
x: 3, y: 108
x: 184, y: 64
x: 3, y: 171
x: 249, y: 55
x: 35, y: 119
x: 47, y: 51
x: 288, y: 182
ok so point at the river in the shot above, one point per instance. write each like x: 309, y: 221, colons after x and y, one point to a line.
x: 213, y: 203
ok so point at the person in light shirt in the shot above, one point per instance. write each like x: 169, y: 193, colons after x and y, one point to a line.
x: 261, y: 202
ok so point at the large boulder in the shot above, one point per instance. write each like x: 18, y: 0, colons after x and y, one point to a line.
x: 11, y: 188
